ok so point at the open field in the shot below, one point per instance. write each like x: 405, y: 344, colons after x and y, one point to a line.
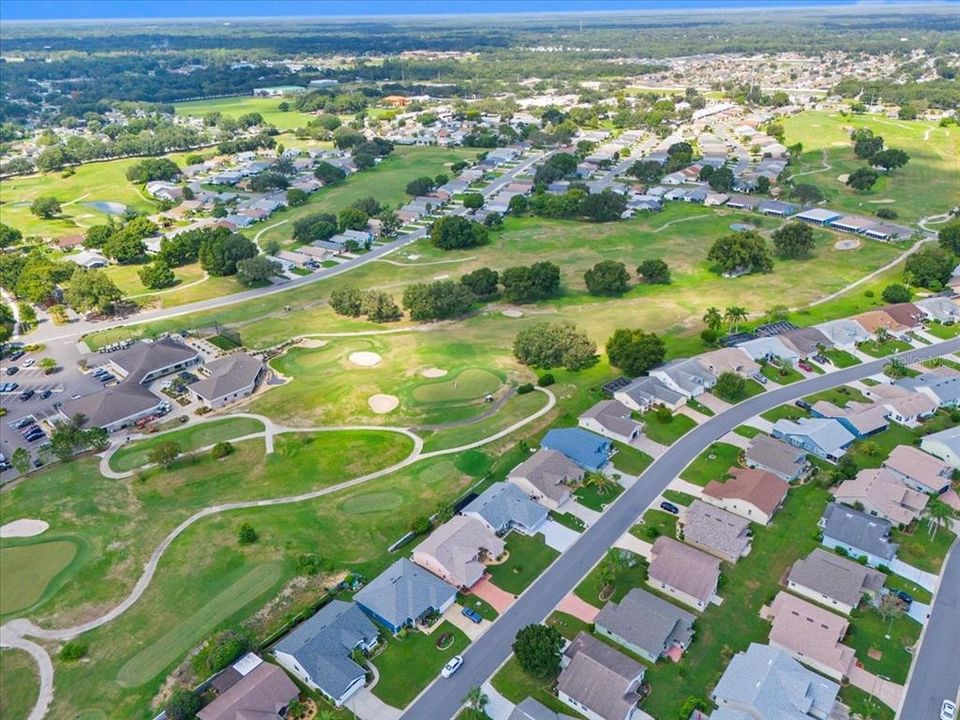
x: 29, y: 569
x: 19, y: 684
x: 268, y: 107
x: 925, y: 186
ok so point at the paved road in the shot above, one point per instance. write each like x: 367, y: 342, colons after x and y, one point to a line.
x: 48, y: 331
x: 935, y: 675
x: 444, y: 698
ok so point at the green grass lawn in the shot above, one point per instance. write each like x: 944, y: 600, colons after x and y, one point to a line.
x: 729, y: 628
x: 134, y: 455
x: 747, y: 431
x: 878, y: 349
x: 407, y: 666
x: 592, y: 498
x: 923, y: 187
x: 666, y: 433
x: 481, y: 606
x: 699, y: 407
x: 529, y: 557
x: 516, y: 686
x: 568, y: 520
x: 920, y: 594
x: 655, y: 523
x: 29, y: 569
x: 920, y: 550
x: 872, y: 451
x: 864, y: 705
x: 626, y: 578
x: 781, y: 412
x: 752, y: 388
x: 842, y: 358
x: 567, y: 625
x: 840, y: 396
x: 678, y: 498
x: 712, y: 464
x: 942, y: 331
x: 19, y: 684
x: 868, y: 633
x: 629, y: 460
x: 780, y: 375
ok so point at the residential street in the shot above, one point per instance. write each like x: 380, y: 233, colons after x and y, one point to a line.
x: 443, y: 698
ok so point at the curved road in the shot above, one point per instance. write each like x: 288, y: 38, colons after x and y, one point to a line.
x: 444, y: 698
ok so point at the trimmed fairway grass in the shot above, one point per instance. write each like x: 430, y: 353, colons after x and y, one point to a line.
x: 189, y: 439
x: 712, y: 464
x: 29, y: 569
x: 19, y: 684
x: 407, y: 666
x: 529, y: 556
x: 468, y: 384
x: 234, y: 107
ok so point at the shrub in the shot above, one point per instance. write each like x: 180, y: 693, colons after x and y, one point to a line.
x: 546, y: 380
x: 221, y: 450
x: 219, y: 651
x: 525, y: 388
x: 246, y: 535
x: 311, y: 564
x: 182, y: 705
x: 664, y: 415
x: 72, y: 650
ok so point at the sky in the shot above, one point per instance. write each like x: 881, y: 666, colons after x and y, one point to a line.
x: 170, y: 9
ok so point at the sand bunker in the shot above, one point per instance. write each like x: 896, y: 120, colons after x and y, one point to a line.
x: 312, y: 343
x: 23, y: 528
x: 846, y: 244
x: 381, y: 404
x: 433, y: 372
x: 512, y: 313
x: 882, y: 201
x: 364, y: 359
x: 843, y: 178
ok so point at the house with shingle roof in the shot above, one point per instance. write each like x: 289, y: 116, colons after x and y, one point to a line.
x: 647, y: 392
x: 503, y: 507
x: 812, y: 635
x: 612, y: 419
x: 733, y: 360
x: 880, y: 493
x: 775, y: 456
x: 906, y: 314
x: 824, y: 437
x: 857, y: 534
x: 646, y: 625
x: 939, y: 308
x: 944, y: 445
x: 716, y: 531
x: 861, y: 419
x: 258, y: 690
x: 765, y: 682
x: 806, y: 341
x: 844, y: 333
x: 769, y: 348
x: 598, y: 681
x: 750, y: 493
x: 227, y: 380
x: 455, y: 552
x: 686, y: 376
x: 404, y: 593
x: 903, y: 405
x: 873, y: 321
x: 547, y: 476
x: 919, y: 470
x: 834, y: 581
x: 318, y: 651
x: 683, y: 572
x: 588, y: 450
x: 941, y: 387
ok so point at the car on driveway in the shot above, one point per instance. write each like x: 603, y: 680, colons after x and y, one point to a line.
x: 948, y: 711
x: 804, y: 365
x: 760, y: 378
x: 452, y: 666
x: 670, y: 507
x: 472, y: 615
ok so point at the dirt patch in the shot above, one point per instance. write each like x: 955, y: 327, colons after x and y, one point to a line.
x: 25, y: 527
x: 848, y: 244
x: 364, y: 359
x: 874, y: 654
x: 382, y: 404
x: 512, y: 313
x: 433, y: 372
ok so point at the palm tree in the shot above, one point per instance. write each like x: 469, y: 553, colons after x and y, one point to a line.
x: 476, y: 700
x: 600, y: 482
x: 937, y: 513
x: 713, y: 318
x: 735, y: 315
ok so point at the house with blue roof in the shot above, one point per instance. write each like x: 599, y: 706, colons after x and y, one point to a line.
x: 402, y: 594
x: 824, y: 437
x: 589, y: 451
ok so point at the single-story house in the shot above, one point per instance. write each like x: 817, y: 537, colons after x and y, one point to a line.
x: 586, y: 449
x: 250, y: 688
x: 455, y: 552
x: 824, y: 437
x: 88, y: 259
x: 844, y: 334
x: 812, y: 635
x: 227, y: 379
x: 939, y: 386
x: 944, y: 445
x: 646, y: 625
x: 145, y: 361
x: 612, y: 419
x: 647, y: 392
x: 873, y: 321
x: 503, y: 507
x: 743, y: 202
x: 902, y: 404
x: 806, y: 341
x: 906, y: 313
x: 765, y: 682
x: 716, y: 531
x: 753, y: 494
x: 683, y: 572
x: 769, y: 348
x: 919, y: 470
x: 880, y: 493
x: 402, y: 594
x: 782, y: 459
x: 547, y: 476
x: 686, y: 376
x: 857, y: 534
x: 776, y: 208
x: 318, y: 651
x: 861, y: 419
x: 598, y: 681
x: 834, y: 581
x: 732, y: 360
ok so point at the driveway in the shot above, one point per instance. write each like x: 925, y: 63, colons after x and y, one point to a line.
x: 925, y: 580
x: 588, y: 516
x: 886, y: 691
x: 498, y: 707
x: 736, y: 439
x: 499, y: 600
x: 919, y: 611
x: 651, y: 448
x: 630, y: 542
x: 558, y: 536
x: 367, y: 706
x: 454, y: 615
x: 713, y: 402
x: 580, y: 609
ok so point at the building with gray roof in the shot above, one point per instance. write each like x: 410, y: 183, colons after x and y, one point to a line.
x: 944, y: 445
x: 824, y: 437
x: 114, y: 408
x: 612, y: 419
x: 942, y: 388
x: 844, y: 333
x: 817, y: 216
x: 598, y: 681
x: 646, y: 624
x: 765, y: 682
x: 404, y: 593
x: 857, y: 534
x: 834, y: 581
x: 769, y: 348
x: 260, y: 691
x: 939, y: 308
x: 503, y: 507
x: 228, y: 379
x: 807, y: 341
x: 782, y: 459
x: 647, y: 392
x: 547, y: 476
x: 715, y: 530
x: 143, y: 362
x: 530, y: 709
x: 685, y: 376
x: 318, y: 651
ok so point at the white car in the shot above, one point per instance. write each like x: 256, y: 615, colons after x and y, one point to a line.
x: 948, y: 711
x: 29, y: 363
x: 456, y: 661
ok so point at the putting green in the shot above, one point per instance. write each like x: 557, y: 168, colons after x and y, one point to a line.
x: 371, y: 503
x: 156, y: 656
x: 28, y: 570
x: 469, y: 384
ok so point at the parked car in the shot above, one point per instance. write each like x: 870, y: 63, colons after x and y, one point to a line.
x: 35, y: 437
x: 948, y: 711
x: 802, y: 404
x: 16, y: 355
x: 8, y: 387
x: 759, y: 377
x: 804, y: 365
x: 822, y: 359
x: 23, y: 422
x: 472, y: 615
x: 27, y: 394
x: 452, y: 666
x: 29, y: 362
x: 12, y: 370
x: 37, y: 463
x: 670, y: 507
x: 905, y: 596
x: 46, y: 394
